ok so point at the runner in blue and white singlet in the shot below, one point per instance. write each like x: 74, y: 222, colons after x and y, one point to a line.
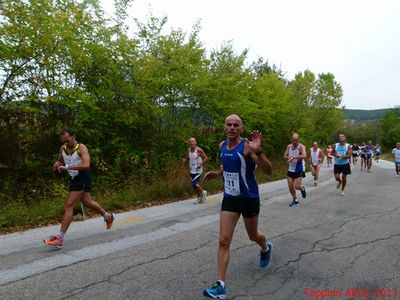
x: 238, y: 160
x: 296, y: 165
x: 369, y: 150
x: 238, y: 174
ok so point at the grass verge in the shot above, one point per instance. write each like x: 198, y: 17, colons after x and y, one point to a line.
x: 175, y: 186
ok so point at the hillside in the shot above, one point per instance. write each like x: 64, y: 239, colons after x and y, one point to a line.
x: 362, y: 115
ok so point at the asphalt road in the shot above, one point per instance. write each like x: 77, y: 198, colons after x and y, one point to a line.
x: 329, y: 244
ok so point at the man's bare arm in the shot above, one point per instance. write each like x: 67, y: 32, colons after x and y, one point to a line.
x: 60, y: 160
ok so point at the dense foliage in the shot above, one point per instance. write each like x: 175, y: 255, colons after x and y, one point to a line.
x: 134, y: 99
x: 385, y: 130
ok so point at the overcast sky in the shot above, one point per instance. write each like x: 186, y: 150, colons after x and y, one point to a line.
x: 356, y: 40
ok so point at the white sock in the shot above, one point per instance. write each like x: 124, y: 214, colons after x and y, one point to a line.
x: 105, y: 216
x: 267, y: 247
x: 222, y: 283
x: 61, y: 235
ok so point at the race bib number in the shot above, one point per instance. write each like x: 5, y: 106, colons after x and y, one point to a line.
x: 231, y: 183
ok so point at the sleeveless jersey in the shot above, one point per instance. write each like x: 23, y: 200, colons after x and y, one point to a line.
x: 329, y: 152
x: 315, y: 156
x: 396, y: 153
x: 72, y: 160
x: 296, y: 165
x: 194, y: 161
x: 341, y: 150
x: 356, y: 150
x: 239, y: 177
x: 369, y: 150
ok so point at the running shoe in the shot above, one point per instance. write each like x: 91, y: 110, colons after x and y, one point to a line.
x: 315, y: 183
x: 295, y: 202
x: 338, y: 185
x: 217, y: 291
x: 110, y: 219
x: 303, y: 192
x: 341, y: 193
x: 203, y: 196
x: 197, y: 201
x: 54, y: 241
x: 265, y: 256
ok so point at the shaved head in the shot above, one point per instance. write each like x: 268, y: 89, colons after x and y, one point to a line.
x: 233, y: 126
x: 235, y: 118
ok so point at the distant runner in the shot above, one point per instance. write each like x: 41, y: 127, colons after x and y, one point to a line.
x: 356, y: 153
x: 74, y: 158
x: 342, y: 152
x: 363, y: 155
x: 369, y: 151
x: 196, y: 158
x: 295, y: 155
x: 238, y: 157
x: 396, y: 158
x: 329, y: 155
x: 378, y: 152
x: 316, y: 159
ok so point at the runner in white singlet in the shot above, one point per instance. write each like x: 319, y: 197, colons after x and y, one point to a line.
x: 396, y: 158
x: 196, y: 159
x: 75, y: 160
x: 295, y: 156
x: 316, y: 159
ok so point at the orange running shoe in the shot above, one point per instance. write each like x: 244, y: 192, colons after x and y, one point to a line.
x: 54, y: 241
x: 110, y: 220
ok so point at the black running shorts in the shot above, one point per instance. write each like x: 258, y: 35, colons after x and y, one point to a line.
x: 81, y: 182
x: 248, y: 207
x: 296, y: 174
x: 344, y: 169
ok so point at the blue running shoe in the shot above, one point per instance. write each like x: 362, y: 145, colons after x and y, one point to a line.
x: 217, y: 291
x: 265, y: 256
x: 303, y: 192
x: 295, y: 202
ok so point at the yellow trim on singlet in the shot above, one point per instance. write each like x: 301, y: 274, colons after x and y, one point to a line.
x: 73, y: 150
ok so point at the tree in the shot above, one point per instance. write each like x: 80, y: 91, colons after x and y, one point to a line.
x: 390, y: 128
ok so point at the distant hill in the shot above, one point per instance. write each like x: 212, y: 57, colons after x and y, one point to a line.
x: 363, y: 115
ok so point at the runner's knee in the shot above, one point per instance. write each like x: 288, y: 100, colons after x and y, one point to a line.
x: 224, y: 241
x: 68, y: 207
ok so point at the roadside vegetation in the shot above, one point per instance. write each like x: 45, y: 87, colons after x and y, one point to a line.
x: 134, y: 95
